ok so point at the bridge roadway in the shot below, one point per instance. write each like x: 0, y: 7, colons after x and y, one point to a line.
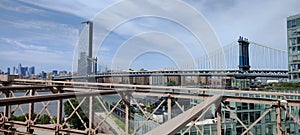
x: 229, y: 73
x: 85, y: 89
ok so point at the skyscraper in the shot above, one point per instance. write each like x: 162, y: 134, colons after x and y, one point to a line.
x: 8, y: 71
x: 82, y: 64
x: 43, y: 75
x: 293, y: 35
x: 19, y: 69
x: 24, y: 71
x: 14, y: 70
x: 54, y: 72
x: 31, y: 71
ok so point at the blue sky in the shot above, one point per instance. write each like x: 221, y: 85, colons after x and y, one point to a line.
x: 45, y: 33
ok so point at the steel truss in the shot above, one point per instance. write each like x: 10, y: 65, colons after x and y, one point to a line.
x: 89, y: 92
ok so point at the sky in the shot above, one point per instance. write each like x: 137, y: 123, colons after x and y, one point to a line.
x: 134, y: 34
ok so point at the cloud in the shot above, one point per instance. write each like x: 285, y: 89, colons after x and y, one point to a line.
x: 158, y: 42
x: 20, y: 45
x: 44, y: 57
x: 255, y: 19
x: 14, y: 6
x: 39, y: 32
x: 86, y: 9
x: 260, y: 21
x: 43, y: 40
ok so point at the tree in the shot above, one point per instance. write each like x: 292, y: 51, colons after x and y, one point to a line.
x: 44, y: 119
x: 54, y: 120
x: 171, y: 83
x: 74, y: 120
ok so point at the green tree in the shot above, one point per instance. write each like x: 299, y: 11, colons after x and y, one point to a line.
x: 54, y: 120
x: 171, y: 83
x: 289, y: 84
x: 74, y: 120
x: 21, y: 117
x: 44, y: 119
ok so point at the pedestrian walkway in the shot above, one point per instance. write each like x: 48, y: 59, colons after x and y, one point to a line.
x: 111, y: 122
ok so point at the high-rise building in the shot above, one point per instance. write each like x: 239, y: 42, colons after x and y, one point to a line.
x: 63, y: 72
x: 43, y: 75
x: 293, y: 35
x: 31, y: 71
x: 14, y: 70
x: 19, y: 69
x: 8, y: 71
x: 54, y: 72
x: 24, y: 71
x: 82, y: 64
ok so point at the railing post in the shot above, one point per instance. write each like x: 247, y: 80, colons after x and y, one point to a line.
x: 59, y: 113
x: 5, y: 113
x: 6, y: 107
x: 219, y: 120
x: 127, y: 111
x: 169, y: 108
x: 30, y: 113
x: 91, y: 114
x: 278, y: 119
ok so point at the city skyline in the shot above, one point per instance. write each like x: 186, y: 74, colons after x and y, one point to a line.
x: 26, y: 70
x: 44, y: 33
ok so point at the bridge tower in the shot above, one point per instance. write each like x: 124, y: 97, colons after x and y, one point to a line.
x: 243, y: 54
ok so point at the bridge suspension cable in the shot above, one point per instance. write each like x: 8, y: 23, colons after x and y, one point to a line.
x: 227, y: 58
x: 265, y: 57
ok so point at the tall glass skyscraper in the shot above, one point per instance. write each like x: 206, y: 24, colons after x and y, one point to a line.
x: 31, y: 71
x: 293, y: 35
x: 82, y: 64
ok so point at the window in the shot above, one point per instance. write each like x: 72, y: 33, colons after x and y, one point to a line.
x: 227, y: 114
x: 251, y: 106
x: 252, y: 119
x: 294, y: 67
x: 257, y: 115
x: 292, y: 41
x: 239, y: 115
x: 294, y: 48
x: 245, y: 118
x: 291, y: 23
x: 295, y: 59
x: 295, y: 76
x: 239, y: 130
x: 297, y: 23
x: 244, y: 106
x: 290, y: 59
